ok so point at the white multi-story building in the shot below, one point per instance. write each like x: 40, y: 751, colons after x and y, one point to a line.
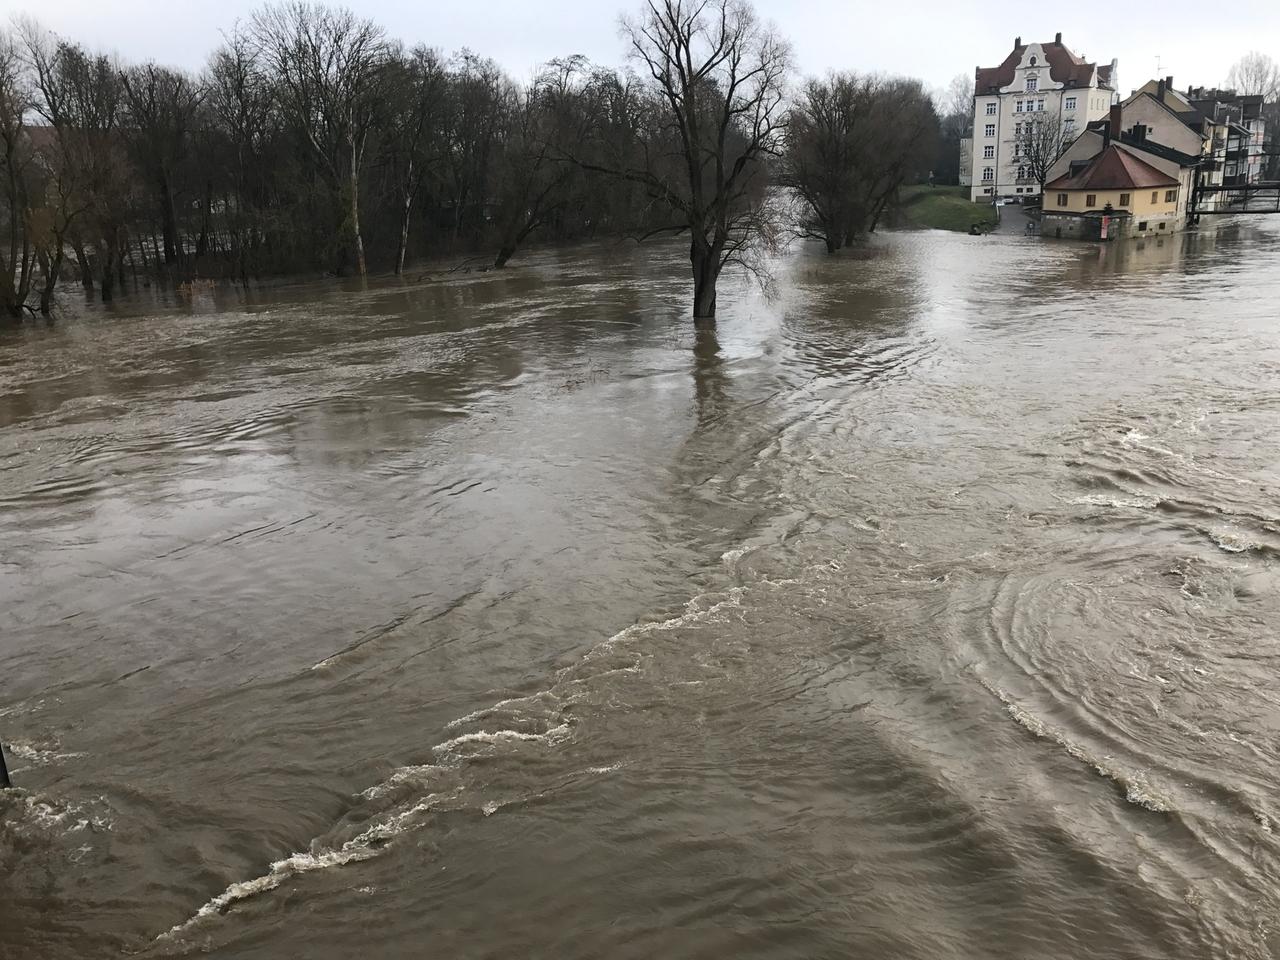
x: 1036, y: 82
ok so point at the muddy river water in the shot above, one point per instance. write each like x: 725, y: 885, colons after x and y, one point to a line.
x: 930, y: 610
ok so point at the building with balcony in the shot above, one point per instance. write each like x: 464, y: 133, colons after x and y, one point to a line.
x: 1037, y: 83
x: 1243, y: 156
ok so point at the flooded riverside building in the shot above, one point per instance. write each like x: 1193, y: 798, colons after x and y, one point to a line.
x: 1114, y: 182
x: 1036, y: 83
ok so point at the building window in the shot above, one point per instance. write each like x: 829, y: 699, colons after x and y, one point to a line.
x: 988, y: 153
x: 1062, y: 199
x: 1124, y: 199
x: 1040, y: 105
x: 1170, y: 196
x: 1155, y: 196
x: 1162, y: 226
x: 1017, y: 129
x: 1033, y: 61
x: 1019, y: 106
x: 1142, y: 225
x: 1091, y: 200
x: 1069, y: 103
x: 991, y: 109
x: 1022, y: 173
x: 991, y: 130
x: 988, y: 173
x: 1032, y: 83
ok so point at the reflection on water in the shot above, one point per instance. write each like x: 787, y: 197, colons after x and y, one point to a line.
x: 931, y: 619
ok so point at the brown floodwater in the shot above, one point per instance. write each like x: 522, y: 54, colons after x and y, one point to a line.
x: 929, y: 611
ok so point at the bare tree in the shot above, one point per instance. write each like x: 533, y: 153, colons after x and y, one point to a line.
x: 533, y: 183
x: 414, y: 139
x: 17, y: 256
x: 474, y: 113
x: 1043, y: 141
x: 956, y: 100
x: 240, y: 111
x: 828, y: 131
x: 80, y: 96
x: 1256, y: 74
x: 716, y: 77
x: 161, y: 105
x: 329, y: 66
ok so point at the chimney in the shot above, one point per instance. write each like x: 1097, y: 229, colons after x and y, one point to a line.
x: 1168, y: 83
x: 1160, y: 88
x: 1017, y: 41
x: 1113, y: 125
x: 1057, y: 38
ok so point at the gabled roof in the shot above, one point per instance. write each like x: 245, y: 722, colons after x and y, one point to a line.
x: 1064, y: 67
x: 1113, y: 169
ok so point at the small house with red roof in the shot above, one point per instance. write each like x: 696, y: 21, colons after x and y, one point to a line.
x: 1113, y: 183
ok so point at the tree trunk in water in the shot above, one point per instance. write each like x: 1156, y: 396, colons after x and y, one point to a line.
x: 504, y: 254
x: 50, y: 267
x: 82, y: 261
x: 355, y: 224
x: 404, y: 234
x: 202, y: 243
x: 706, y: 271
x: 169, y: 223
x: 108, y: 272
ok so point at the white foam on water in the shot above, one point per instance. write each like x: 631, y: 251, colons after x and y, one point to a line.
x: 33, y: 754
x: 368, y: 843
x: 552, y: 736
x: 400, y: 777
x: 489, y: 711
x: 1231, y: 541
x: 53, y: 816
x: 1138, y: 789
x: 1118, y: 502
x: 361, y: 847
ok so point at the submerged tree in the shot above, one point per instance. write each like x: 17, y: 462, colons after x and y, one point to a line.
x: 161, y: 106
x: 711, y: 120
x: 17, y: 256
x: 413, y: 141
x: 328, y: 65
x: 852, y: 141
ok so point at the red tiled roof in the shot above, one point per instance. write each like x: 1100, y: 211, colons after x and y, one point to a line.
x: 1113, y: 169
x: 1064, y: 67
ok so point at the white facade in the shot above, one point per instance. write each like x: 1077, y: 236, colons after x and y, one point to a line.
x: 1032, y: 94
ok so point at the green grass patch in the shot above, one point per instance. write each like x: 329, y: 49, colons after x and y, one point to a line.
x: 941, y: 208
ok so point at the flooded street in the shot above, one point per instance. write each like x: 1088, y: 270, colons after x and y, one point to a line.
x: 930, y: 611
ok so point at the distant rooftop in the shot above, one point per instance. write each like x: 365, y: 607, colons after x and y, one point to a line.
x: 1065, y: 67
x: 1113, y: 169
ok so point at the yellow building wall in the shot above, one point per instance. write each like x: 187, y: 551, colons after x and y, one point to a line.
x: 1140, y: 204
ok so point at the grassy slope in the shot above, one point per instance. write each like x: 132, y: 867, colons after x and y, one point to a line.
x: 941, y: 208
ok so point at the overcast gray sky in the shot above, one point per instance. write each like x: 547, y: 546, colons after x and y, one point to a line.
x: 930, y: 39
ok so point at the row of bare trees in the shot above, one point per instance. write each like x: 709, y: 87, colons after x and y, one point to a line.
x: 312, y: 140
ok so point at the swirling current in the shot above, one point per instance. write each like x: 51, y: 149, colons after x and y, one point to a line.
x: 926, y: 610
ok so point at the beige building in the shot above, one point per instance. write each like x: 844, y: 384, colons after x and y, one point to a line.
x: 1036, y: 82
x: 1118, y: 180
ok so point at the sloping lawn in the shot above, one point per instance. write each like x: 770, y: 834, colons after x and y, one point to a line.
x: 942, y: 208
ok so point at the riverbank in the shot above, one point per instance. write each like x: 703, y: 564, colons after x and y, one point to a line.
x: 942, y: 208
